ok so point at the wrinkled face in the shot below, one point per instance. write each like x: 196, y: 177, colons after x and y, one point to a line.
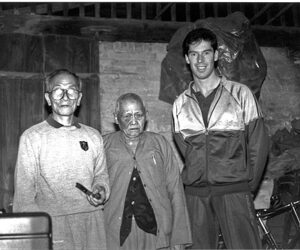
x: 131, y: 118
x: 64, y: 96
x: 201, y: 57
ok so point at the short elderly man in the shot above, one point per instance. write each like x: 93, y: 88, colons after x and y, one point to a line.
x: 54, y: 155
x: 147, y: 208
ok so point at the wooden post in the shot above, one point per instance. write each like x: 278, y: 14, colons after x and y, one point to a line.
x: 143, y: 11
x: 202, y: 10
x: 49, y: 9
x: 81, y: 10
x: 128, y: 11
x: 187, y: 12
x: 66, y: 9
x: 229, y: 10
x: 158, y: 10
x: 97, y: 10
x: 215, y: 6
x: 295, y: 10
x: 173, y: 13
x: 113, y: 13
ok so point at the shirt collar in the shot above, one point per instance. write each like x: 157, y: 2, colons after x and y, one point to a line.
x: 122, y: 136
x: 56, y: 124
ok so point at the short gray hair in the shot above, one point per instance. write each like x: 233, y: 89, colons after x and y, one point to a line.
x: 49, y: 78
x: 129, y: 97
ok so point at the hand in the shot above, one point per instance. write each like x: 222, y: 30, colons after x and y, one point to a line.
x: 98, y: 197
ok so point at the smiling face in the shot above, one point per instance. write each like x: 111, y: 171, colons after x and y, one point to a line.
x: 64, y: 107
x: 201, y: 57
x: 131, y: 117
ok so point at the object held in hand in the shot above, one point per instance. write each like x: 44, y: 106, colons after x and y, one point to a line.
x: 86, y: 191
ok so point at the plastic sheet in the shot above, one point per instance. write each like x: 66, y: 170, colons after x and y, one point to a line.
x: 240, y: 57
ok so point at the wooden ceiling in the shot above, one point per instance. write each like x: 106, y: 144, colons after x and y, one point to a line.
x: 259, y: 13
x: 275, y: 24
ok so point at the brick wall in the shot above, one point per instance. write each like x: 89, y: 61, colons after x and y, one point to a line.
x: 135, y: 67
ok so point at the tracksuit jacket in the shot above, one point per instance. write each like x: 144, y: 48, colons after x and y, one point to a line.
x: 229, y: 154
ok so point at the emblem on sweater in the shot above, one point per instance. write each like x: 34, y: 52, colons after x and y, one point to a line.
x: 84, y: 145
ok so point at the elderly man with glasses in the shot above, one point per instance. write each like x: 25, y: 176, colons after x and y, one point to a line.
x: 53, y: 157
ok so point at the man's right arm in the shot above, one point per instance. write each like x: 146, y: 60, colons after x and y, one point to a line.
x: 181, y: 144
x: 25, y: 178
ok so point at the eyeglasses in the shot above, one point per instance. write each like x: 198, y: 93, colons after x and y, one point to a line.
x: 58, y: 94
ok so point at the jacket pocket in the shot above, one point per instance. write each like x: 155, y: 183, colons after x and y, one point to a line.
x: 227, y: 156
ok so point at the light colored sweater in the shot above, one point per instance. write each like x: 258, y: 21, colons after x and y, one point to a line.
x: 50, y: 162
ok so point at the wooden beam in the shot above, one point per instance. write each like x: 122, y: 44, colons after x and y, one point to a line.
x: 263, y: 10
x: 129, y: 30
x: 273, y: 36
x: 43, y: 9
x: 270, y: 20
x: 163, y: 10
x: 20, y: 75
x: 33, y: 75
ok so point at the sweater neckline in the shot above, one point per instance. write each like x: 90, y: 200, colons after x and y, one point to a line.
x: 56, y: 124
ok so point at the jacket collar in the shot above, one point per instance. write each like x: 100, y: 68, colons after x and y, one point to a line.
x: 191, y: 92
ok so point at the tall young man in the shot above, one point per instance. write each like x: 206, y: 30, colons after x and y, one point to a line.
x: 219, y: 129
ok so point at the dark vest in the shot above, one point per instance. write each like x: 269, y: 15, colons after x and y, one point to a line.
x: 137, y: 205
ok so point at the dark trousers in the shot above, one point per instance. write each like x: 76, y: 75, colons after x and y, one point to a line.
x: 233, y: 213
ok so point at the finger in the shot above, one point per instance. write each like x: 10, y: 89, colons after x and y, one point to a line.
x: 97, y: 202
x: 97, y: 196
x: 103, y: 194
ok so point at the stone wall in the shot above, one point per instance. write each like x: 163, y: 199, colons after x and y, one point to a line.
x: 280, y: 94
x: 135, y: 67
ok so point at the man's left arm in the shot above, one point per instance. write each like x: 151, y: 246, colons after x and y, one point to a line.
x: 181, y: 232
x: 258, y: 149
x: 257, y: 141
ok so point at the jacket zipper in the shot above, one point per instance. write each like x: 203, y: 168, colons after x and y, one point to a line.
x: 206, y: 153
